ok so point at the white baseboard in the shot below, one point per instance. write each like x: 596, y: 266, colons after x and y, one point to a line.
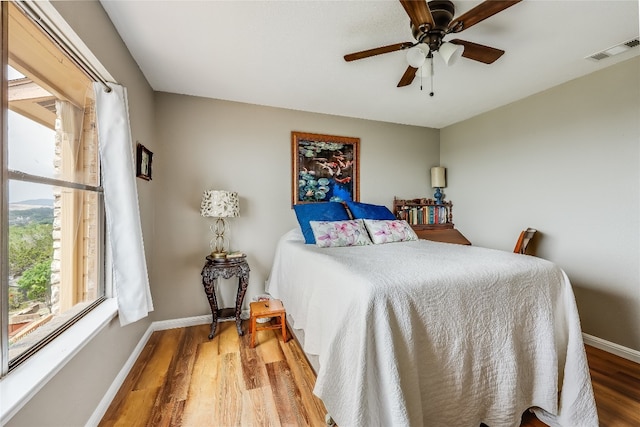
x: 191, y: 321
x: 185, y: 322
x: 613, y: 348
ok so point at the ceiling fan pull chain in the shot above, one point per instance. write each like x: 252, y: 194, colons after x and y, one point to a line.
x: 431, y: 74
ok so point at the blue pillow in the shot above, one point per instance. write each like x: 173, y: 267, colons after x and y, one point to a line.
x: 326, y: 211
x: 367, y: 211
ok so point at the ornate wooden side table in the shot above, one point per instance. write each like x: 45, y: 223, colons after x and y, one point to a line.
x: 225, y: 268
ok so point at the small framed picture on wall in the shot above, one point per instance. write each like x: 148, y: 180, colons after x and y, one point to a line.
x: 143, y: 162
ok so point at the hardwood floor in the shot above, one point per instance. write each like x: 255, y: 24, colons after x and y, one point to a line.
x: 616, y: 385
x: 183, y: 379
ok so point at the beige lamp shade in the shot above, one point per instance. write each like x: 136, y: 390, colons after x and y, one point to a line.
x: 219, y: 204
x: 437, y: 177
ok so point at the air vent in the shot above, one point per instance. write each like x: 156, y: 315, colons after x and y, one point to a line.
x: 599, y: 56
x: 614, y: 50
x: 633, y: 43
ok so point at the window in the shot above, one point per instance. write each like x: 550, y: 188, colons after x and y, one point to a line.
x: 52, y: 210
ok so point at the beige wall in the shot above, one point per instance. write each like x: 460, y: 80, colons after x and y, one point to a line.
x: 567, y: 162
x: 213, y: 144
x: 72, y: 395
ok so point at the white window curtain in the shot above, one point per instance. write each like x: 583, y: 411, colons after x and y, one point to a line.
x: 124, y: 232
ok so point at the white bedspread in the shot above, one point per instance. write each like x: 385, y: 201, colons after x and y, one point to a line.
x: 427, y: 333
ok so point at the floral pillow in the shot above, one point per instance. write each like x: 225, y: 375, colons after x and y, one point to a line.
x: 329, y: 234
x: 387, y: 231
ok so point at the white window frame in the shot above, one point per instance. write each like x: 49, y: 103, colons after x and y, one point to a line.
x: 22, y: 383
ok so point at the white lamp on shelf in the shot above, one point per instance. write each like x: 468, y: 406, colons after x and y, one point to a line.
x: 438, y: 181
x: 220, y: 205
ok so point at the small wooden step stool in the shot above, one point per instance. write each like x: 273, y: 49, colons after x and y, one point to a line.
x: 268, y: 308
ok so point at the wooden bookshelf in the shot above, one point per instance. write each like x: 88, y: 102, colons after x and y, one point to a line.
x: 430, y: 221
x: 424, y: 214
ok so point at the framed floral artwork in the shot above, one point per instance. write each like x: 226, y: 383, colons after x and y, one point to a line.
x: 325, y: 168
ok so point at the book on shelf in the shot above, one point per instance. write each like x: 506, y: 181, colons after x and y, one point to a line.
x: 423, y: 215
x: 423, y: 211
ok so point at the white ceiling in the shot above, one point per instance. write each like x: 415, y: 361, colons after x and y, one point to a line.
x: 289, y: 54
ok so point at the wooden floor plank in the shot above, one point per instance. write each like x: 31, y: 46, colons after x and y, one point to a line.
x: 305, y: 380
x: 158, y: 363
x: 174, y: 390
x: 227, y: 338
x: 612, y: 404
x: 617, y: 374
x: 135, y: 410
x: 269, y: 346
x: 260, y: 408
x: 183, y: 378
x: 227, y: 404
x: 253, y: 371
x: 286, y: 395
x: 176, y: 414
x: 203, y: 386
x: 121, y: 399
x: 616, y: 386
x: 182, y: 364
x: 166, y: 399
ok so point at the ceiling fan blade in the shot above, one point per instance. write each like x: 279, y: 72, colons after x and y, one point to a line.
x: 418, y: 12
x: 407, y: 77
x: 377, y: 51
x: 479, y: 52
x: 479, y: 13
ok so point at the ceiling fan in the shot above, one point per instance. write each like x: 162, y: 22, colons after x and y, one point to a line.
x: 430, y: 23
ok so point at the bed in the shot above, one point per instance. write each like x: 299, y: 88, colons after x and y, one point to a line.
x: 425, y: 333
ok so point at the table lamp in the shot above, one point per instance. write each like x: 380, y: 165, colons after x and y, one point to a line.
x: 438, y: 181
x: 220, y: 205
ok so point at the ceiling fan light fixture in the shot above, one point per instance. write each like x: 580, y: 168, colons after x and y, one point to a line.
x: 424, y: 47
x: 450, y: 52
x: 430, y: 22
x: 416, y: 57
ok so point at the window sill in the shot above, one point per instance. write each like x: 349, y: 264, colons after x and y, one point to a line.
x: 26, y: 380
